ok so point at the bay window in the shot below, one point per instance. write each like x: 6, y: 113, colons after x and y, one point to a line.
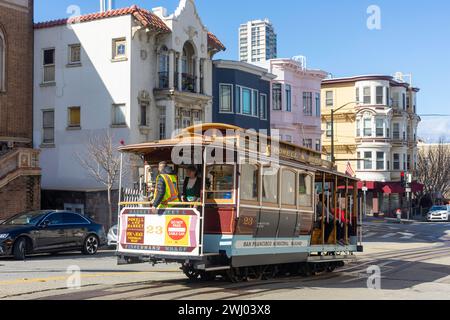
x: 255, y: 100
x: 368, y: 160
x: 396, y: 161
x: 380, y: 160
x: 380, y: 95
x: 225, y: 98
x: 396, y: 131
x: 367, y: 96
x: 246, y: 101
x: 380, y: 128
x: 263, y: 106
x: 367, y: 127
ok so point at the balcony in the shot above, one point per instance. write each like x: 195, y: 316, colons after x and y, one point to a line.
x: 188, y: 82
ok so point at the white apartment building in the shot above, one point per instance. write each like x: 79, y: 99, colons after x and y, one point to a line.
x: 141, y: 74
x: 257, y: 41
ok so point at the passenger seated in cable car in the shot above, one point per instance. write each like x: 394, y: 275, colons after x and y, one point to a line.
x: 329, y: 218
x: 192, y: 185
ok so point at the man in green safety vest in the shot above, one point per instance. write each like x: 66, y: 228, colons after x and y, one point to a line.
x: 166, y: 188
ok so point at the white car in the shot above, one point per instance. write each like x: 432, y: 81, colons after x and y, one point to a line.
x: 112, y: 236
x: 439, y: 213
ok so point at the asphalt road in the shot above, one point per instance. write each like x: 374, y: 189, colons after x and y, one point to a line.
x: 414, y: 261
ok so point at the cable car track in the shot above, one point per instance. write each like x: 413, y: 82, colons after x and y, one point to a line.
x: 185, y: 289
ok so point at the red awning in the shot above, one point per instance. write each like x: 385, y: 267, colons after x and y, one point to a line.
x: 389, y: 187
x: 371, y: 185
x: 396, y: 187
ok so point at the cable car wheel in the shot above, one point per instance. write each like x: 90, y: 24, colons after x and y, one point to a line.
x: 236, y: 275
x: 195, y: 275
x: 191, y: 273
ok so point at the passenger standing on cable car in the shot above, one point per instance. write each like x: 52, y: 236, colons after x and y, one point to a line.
x: 166, y: 188
x: 341, y: 222
x: 192, y: 185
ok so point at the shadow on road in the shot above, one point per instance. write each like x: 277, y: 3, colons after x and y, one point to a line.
x: 64, y: 256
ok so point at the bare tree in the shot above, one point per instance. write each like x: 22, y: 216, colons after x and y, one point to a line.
x: 101, y: 160
x: 433, y: 169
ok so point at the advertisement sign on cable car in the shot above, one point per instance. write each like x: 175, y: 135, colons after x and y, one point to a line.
x: 175, y: 232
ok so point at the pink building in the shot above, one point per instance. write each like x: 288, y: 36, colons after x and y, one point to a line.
x: 296, y: 102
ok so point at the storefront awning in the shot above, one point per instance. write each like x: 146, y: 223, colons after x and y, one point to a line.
x: 389, y: 187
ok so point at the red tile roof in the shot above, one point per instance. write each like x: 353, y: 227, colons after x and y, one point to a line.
x: 145, y: 17
x: 215, y: 43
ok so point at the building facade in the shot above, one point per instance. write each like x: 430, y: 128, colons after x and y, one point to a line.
x: 19, y: 167
x: 257, y: 41
x: 141, y: 75
x: 376, y: 133
x: 296, y: 102
x: 241, y: 95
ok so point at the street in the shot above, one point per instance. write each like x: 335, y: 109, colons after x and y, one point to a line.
x: 414, y: 261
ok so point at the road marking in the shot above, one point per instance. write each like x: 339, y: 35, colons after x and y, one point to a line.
x: 370, y: 234
x: 406, y: 235
x: 389, y: 235
x: 83, y: 276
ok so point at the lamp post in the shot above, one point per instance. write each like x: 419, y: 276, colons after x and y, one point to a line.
x: 333, y: 111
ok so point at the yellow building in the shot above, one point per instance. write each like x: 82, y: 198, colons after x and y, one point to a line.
x: 376, y: 132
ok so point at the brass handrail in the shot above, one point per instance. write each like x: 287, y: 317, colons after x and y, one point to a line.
x: 143, y: 203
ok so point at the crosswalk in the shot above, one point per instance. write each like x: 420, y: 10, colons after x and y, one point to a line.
x: 389, y: 233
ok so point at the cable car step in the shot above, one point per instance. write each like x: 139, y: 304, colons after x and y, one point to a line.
x: 210, y: 269
x: 211, y: 254
x: 320, y: 259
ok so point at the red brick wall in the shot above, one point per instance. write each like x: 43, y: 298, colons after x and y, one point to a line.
x: 22, y: 194
x: 16, y: 104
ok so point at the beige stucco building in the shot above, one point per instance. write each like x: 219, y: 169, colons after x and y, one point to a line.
x: 376, y: 132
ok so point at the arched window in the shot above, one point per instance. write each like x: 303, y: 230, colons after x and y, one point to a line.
x: 2, y: 61
x: 164, y: 68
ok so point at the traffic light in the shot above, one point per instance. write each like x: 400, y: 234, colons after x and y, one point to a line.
x: 403, y: 179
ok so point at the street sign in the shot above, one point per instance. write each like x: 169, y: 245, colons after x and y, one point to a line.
x: 365, y: 189
x: 408, y: 190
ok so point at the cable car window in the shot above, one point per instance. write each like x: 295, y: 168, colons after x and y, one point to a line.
x: 288, y: 187
x: 305, y: 190
x: 249, y: 182
x: 219, y: 182
x: 270, y: 184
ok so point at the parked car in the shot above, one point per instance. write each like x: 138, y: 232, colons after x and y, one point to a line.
x: 112, y: 236
x: 49, y: 231
x: 439, y: 213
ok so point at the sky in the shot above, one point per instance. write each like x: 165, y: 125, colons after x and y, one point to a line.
x: 413, y: 38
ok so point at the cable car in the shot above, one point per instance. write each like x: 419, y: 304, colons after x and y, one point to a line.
x: 265, y: 208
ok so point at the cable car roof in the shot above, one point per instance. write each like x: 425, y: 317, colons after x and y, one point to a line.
x: 218, y: 133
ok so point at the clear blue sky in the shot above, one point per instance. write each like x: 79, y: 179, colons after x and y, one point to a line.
x: 414, y: 36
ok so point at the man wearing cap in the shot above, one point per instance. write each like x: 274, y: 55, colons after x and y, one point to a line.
x: 166, y: 188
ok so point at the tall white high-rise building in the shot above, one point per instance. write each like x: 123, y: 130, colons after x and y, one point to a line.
x: 257, y: 41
